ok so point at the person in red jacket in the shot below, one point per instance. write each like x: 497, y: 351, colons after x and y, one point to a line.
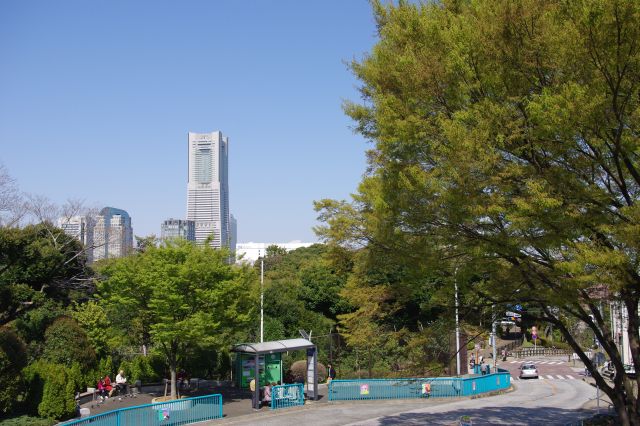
x: 107, y: 385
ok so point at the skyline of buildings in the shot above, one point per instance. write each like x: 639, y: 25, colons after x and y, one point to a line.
x: 106, y: 235
x: 110, y: 233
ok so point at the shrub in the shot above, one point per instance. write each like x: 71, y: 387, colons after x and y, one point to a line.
x: 66, y: 343
x: 13, y: 355
x: 299, y: 371
x: 140, y: 368
x: 27, y: 421
x: 106, y: 367
x: 51, y: 390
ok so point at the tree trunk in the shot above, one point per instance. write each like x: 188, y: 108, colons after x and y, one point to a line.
x: 172, y: 367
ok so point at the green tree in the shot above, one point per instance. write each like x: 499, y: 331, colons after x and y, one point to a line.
x: 506, y: 140
x: 13, y: 359
x: 38, y: 263
x: 192, y: 297
x: 66, y: 343
x: 93, y: 319
x: 50, y: 390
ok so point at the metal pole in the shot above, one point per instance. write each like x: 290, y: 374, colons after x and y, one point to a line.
x: 455, y: 283
x: 261, y: 300
x: 330, y: 346
x: 493, y: 335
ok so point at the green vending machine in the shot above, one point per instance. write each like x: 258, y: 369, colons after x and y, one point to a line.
x: 270, y: 368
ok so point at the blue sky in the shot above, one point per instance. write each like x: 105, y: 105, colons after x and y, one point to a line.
x: 97, y: 97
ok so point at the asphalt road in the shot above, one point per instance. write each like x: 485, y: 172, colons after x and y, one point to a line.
x: 532, y: 402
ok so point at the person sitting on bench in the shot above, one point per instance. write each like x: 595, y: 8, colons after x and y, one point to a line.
x: 121, y: 383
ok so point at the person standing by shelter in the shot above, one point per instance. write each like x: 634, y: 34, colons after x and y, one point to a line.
x: 252, y: 388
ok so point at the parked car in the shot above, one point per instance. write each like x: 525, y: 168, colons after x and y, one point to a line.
x: 528, y: 371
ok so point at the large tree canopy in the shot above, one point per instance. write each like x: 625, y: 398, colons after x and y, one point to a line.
x: 38, y: 262
x: 506, y: 138
x: 181, y: 296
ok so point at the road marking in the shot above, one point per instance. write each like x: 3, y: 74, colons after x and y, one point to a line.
x: 513, y: 362
x: 550, y: 377
x: 560, y: 377
x: 570, y: 377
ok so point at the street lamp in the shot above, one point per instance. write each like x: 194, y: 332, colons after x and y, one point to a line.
x: 261, y: 301
x: 455, y: 284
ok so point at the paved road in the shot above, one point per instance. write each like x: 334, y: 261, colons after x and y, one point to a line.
x: 546, y: 401
x: 548, y: 369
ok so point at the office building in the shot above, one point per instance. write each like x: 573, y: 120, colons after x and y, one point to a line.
x: 234, y: 234
x: 250, y: 252
x: 178, y: 228
x: 112, y: 234
x: 208, y: 187
x: 81, y: 228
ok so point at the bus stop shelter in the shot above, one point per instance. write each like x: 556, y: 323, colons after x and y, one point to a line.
x: 279, y: 346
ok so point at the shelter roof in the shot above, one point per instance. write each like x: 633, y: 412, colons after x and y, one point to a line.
x: 274, y: 346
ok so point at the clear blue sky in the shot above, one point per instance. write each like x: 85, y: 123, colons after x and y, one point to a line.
x: 97, y: 97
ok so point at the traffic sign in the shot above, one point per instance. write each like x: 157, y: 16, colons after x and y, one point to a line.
x: 513, y: 314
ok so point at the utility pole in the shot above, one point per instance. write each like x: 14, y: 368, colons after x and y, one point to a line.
x: 455, y: 283
x: 493, y: 336
x: 261, y: 301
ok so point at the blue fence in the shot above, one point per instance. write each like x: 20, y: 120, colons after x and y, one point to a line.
x: 287, y: 396
x: 178, y: 412
x: 439, y: 387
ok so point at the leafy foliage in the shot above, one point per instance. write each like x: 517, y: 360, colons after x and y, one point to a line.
x: 66, y: 343
x: 506, y: 159
x: 51, y: 390
x: 181, y: 296
x: 13, y: 358
x: 37, y: 263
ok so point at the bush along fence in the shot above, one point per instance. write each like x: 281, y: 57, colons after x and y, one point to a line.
x: 178, y: 412
x: 438, y: 387
x: 287, y: 396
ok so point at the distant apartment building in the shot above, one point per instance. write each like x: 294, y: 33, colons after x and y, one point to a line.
x: 112, y: 234
x: 234, y: 233
x: 81, y: 228
x: 208, y: 187
x: 251, y: 252
x: 178, y: 228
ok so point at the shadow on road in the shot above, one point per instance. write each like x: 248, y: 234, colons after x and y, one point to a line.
x: 492, y: 416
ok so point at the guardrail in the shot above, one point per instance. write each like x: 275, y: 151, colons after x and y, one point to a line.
x: 178, y: 412
x: 526, y: 352
x: 437, y: 387
x: 285, y: 396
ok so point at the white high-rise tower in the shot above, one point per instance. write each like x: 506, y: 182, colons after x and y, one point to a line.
x: 208, y: 187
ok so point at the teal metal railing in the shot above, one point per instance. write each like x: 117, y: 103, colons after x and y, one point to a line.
x: 287, y: 396
x: 178, y: 412
x: 438, y: 387
x: 486, y: 383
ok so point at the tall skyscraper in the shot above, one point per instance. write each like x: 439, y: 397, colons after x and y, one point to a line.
x: 112, y: 234
x: 178, y: 228
x: 81, y: 228
x: 208, y: 187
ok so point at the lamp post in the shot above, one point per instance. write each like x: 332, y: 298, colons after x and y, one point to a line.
x: 261, y: 301
x: 455, y: 284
